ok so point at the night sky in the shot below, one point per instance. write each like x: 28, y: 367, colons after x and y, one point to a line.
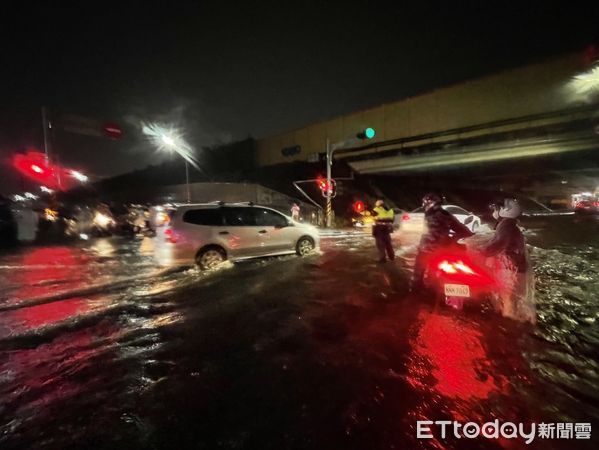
x: 224, y: 71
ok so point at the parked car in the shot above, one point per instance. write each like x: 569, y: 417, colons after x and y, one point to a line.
x: 209, y: 234
x: 587, y: 207
x: 413, y: 222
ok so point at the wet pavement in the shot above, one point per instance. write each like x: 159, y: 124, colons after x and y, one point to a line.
x: 102, y: 348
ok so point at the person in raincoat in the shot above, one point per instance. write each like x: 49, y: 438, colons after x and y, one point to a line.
x: 511, y: 266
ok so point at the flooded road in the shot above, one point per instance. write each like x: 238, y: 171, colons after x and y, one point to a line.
x: 102, y: 348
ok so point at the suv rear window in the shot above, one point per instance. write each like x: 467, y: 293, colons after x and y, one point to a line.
x: 208, y: 216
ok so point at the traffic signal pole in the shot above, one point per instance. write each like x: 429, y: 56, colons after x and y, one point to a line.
x: 45, y: 128
x: 187, y: 189
x: 329, y: 208
x: 368, y: 133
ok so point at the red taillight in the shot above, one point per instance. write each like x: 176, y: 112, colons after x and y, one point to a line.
x: 460, y: 269
x: 447, y: 267
x: 405, y: 217
x: 456, y: 267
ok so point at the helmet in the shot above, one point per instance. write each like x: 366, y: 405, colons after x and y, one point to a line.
x: 379, y: 203
x: 510, y: 209
x: 431, y: 197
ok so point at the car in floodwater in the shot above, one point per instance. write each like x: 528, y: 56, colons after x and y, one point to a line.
x: 587, y: 207
x: 209, y: 234
x: 413, y: 222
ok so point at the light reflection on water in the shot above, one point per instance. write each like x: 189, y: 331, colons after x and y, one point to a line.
x: 453, y: 349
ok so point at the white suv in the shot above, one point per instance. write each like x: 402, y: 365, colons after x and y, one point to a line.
x: 211, y: 233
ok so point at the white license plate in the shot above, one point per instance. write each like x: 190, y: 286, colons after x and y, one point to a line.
x: 457, y: 290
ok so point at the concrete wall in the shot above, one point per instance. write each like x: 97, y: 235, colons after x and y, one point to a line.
x: 522, y: 92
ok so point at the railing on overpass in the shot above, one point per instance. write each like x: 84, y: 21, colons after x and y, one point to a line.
x: 584, y: 115
x: 498, y: 151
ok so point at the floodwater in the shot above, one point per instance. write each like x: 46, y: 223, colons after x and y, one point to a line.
x: 102, y: 348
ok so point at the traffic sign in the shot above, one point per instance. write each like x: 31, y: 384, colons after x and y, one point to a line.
x: 112, y: 131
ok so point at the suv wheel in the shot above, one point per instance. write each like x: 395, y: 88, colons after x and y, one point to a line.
x: 210, y: 258
x: 304, y: 246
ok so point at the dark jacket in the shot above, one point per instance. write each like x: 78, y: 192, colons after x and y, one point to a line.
x: 509, y: 240
x: 442, y: 229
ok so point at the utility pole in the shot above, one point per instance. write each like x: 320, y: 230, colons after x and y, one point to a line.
x: 45, y: 126
x: 329, y: 206
x: 366, y: 134
x: 48, y: 125
x: 187, y: 182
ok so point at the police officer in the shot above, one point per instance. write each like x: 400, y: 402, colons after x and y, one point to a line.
x: 382, y: 229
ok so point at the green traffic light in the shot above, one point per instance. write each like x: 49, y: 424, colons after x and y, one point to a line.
x: 369, y: 133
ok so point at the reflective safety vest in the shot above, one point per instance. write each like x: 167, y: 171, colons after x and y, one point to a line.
x: 383, y: 215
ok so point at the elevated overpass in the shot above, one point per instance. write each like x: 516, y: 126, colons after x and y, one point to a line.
x: 541, y: 110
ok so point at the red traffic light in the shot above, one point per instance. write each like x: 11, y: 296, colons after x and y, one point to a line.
x: 359, y: 206
x: 323, y: 184
x: 326, y: 188
x: 37, y: 169
x: 112, y: 131
x: 35, y: 166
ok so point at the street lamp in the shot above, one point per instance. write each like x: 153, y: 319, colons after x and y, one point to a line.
x: 171, y: 139
x: 168, y: 141
x: 365, y: 134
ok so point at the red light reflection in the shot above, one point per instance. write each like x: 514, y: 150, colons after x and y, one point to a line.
x: 458, y: 360
x: 48, y: 271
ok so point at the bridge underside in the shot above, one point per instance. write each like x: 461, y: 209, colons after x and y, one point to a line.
x: 568, y: 133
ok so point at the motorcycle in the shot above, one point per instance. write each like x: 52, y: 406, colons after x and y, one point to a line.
x: 454, y: 275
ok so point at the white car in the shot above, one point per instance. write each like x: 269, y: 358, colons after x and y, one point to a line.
x: 413, y: 222
x: 209, y: 234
